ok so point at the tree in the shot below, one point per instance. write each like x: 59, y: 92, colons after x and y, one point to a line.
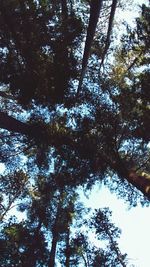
x: 61, y: 226
x: 86, y: 253
x: 57, y: 139
x: 13, y: 187
x: 32, y: 73
x: 107, y: 231
x: 22, y: 245
x: 129, y: 82
x: 96, y: 8
x: 57, y: 136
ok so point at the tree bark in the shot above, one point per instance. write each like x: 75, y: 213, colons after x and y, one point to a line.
x: 94, y: 15
x: 53, y: 251
x: 55, y: 233
x: 109, y: 31
x: 11, y: 124
x: 67, y: 262
x: 140, y: 181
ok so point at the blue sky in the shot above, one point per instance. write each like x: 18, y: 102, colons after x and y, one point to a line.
x: 133, y: 222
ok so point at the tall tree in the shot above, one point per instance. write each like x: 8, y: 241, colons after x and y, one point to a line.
x: 95, y: 8
x: 109, y: 30
x: 104, y: 228
x: 86, y: 253
x: 58, y: 142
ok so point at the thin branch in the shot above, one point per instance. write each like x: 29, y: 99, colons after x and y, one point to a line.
x: 85, y: 261
x: 143, y: 165
x: 19, y: 152
x: 134, y: 62
x: 5, y: 95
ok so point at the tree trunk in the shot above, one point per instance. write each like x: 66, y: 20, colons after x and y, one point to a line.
x: 94, y: 15
x: 55, y: 233
x: 53, y: 250
x: 67, y: 263
x: 116, y: 249
x: 109, y: 31
x: 140, y: 181
x: 32, y: 251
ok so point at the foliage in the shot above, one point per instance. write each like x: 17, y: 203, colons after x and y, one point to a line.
x: 56, y: 138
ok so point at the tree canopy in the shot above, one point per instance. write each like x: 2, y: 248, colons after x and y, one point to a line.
x: 75, y: 110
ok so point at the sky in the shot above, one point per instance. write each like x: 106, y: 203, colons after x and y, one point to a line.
x: 134, y: 223
x: 2, y: 167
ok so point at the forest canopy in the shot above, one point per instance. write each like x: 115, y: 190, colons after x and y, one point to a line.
x: 75, y: 111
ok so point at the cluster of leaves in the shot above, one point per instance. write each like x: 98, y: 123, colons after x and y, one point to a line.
x: 32, y: 60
